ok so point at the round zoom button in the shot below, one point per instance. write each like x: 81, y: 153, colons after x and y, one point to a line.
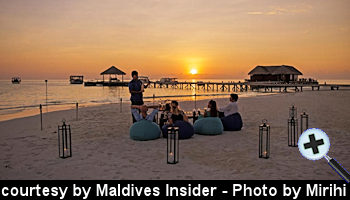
x: 313, y: 144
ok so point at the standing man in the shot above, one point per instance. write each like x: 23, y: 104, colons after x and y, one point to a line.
x: 136, y: 88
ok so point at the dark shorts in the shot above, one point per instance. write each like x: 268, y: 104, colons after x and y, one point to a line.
x: 137, y: 102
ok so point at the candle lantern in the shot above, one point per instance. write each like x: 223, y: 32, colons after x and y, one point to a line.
x: 304, y: 121
x: 264, y: 140
x: 293, y: 112
x: 173, y: 145
x: 293, y: 127
x: 64, y: 141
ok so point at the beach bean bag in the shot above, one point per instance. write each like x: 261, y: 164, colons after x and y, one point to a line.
x: 232, y: 122
x: 144, y: 130
x: 208, y: 126
x: 185, y: 129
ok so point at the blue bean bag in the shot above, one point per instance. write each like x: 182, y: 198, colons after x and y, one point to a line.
x: 144, y: 130
x: 185, y: 129
x: 208, y: 126
x: 232, y: 122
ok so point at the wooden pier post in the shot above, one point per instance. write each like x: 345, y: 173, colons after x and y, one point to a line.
x: 46, y: 93
x: 121, y: 105
x: 76, y: 111
x: 41, y: 117
x: 195, y: 101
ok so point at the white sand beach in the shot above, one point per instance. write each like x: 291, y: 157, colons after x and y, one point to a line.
x: 102, y: 148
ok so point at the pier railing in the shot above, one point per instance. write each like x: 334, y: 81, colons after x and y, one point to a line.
x: 245, y: 86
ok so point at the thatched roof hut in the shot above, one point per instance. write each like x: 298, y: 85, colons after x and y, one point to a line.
x: 282, y: 73
x: 113, y: 71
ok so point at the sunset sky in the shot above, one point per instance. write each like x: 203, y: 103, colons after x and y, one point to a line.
x: 219, y: 39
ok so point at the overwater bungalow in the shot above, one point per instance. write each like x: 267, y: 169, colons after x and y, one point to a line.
x: 281, y: 73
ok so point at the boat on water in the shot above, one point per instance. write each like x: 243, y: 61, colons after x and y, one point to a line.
x: 200, y: 83
x: 76, y: 79
x: 16, y: 80
x: 167, y: 81
x: 144, y: 79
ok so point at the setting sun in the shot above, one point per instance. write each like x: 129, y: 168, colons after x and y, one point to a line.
x: 193, y: 71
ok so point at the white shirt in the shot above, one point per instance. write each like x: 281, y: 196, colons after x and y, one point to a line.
x: 230, y: 109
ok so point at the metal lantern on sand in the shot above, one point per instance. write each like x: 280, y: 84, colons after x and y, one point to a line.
x: 64, y: 141
x: 304, y: 121
x: 173, y: 145
x: 264, y: 140
x: 293, y: 127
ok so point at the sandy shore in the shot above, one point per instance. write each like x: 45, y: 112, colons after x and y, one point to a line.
x: 102, y: 148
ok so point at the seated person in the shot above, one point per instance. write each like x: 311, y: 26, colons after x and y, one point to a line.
x: 178, y: 118
x: 232, y: 107
x: 164, y: 117
x: 143, y: 112
x: 176, y: 114
x: 212, y: 109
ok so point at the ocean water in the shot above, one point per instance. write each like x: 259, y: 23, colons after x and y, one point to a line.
x: 20, y: 100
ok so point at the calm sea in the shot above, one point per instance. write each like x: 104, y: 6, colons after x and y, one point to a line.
x: 20, y: 100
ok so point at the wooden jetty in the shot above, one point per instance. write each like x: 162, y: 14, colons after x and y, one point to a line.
x: 231, y: 86
x: 247, y: 86
x: 105, y: 83
x: 281, y: 78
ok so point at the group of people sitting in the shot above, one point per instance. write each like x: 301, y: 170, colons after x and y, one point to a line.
x: 171, y: 112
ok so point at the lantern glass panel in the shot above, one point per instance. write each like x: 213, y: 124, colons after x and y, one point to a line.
x: 64, y: 141
x: 264, y: 140
x: 292, y: 112
x: 304, y: 122
x: 173, y: 145
x: 293, y: 132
